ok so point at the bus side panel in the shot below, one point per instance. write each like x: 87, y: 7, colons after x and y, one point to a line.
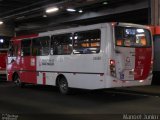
x: 75, y: 80
x: 28, y: 77
x: 85, y: 81
x: 88, y: 66
x: 46, y: 78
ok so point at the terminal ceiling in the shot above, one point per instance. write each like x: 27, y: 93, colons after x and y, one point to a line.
x: 29, y: 16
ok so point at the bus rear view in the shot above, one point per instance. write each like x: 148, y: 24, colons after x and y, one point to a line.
x: 133, y: 56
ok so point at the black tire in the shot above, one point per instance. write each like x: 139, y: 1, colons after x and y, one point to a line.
x: 63, y: 86
x: 17, y: 81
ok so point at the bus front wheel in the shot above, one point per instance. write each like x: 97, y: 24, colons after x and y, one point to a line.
x: 63, y: 85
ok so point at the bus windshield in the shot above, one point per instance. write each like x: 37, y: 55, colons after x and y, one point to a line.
x: 132, y: 37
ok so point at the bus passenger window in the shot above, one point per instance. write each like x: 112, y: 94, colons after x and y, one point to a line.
x: 87, y: 42
x: 26, y: 47
x: 61, y: 44
x: 40, y: 46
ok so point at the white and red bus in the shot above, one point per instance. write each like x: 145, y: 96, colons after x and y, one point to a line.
x: 4, y: 45
x: 96, y: 56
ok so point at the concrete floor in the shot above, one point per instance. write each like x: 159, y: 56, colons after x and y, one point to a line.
x: 46, y: 100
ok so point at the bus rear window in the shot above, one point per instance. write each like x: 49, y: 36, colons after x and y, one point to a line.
x: 132, y: 37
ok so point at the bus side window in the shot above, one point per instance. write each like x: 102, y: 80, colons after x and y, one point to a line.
x: 87, y: 42
x: 40, y: 46
x: 45, y: 43
x: 61, y: 44
x: 26, y: 47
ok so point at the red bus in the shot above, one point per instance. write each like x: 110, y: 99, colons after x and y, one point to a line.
x: 91, y: 57
x: 4, y: 44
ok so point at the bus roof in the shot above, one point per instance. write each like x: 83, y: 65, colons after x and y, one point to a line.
x: 89, y: 27
x: 79, y: 28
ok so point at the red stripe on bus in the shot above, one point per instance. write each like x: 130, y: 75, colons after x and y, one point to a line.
x: 143, y: 58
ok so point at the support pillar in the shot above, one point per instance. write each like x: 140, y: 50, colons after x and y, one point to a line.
x: 155, y: 12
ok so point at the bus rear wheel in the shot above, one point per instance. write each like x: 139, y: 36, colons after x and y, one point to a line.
x: 63, y: 85
x: 17, y: 81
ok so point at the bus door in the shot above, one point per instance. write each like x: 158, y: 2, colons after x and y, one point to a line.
x: 133, y: 53
x: 28, y: 62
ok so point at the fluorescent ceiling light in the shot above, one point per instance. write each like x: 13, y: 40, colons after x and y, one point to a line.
x: 80, y: 11
x: 50, y: 10
x: 44, y: 15
x: 1, y: 22
x: 1, y: 40
x: 105, y: 3
x: 71, y: 10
